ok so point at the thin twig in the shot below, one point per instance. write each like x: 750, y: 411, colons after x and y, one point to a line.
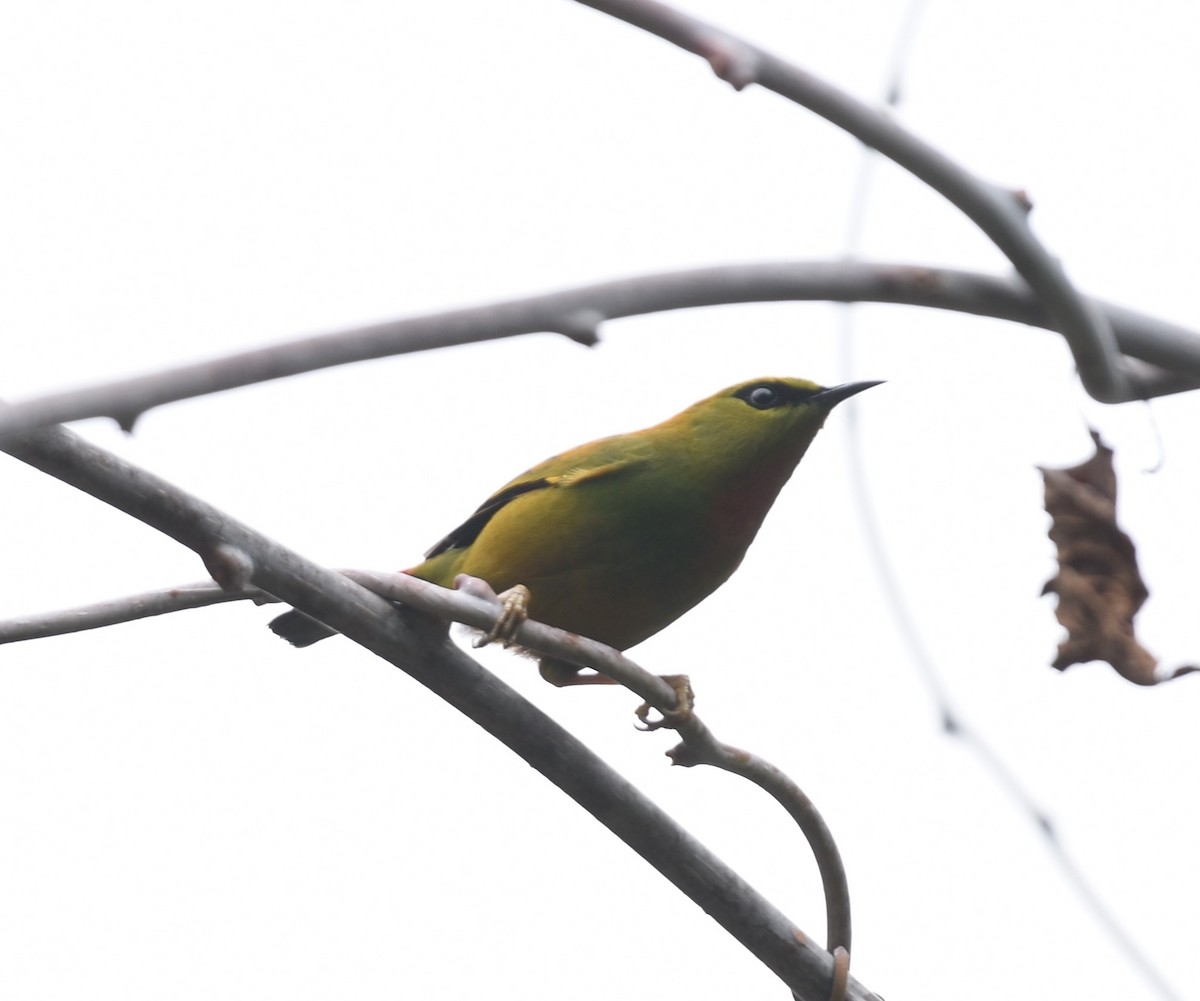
x: 244, y: 558
x: 117, y: 610
x: 952, y: 721
x: 699, y: 745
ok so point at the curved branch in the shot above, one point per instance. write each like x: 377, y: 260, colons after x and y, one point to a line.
x: 1001, y: 214
x: 581, y: 310
x: 700, y: 747
x: 239, y: 557
x: 467, y: 606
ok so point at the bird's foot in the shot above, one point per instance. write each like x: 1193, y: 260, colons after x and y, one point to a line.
x: 513, y: 612
x: 685, y: 699
x: 515, y: 602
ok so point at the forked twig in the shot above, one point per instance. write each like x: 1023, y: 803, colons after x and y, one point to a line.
x: 245, y: 558
x: 1002, y: 215
x: 699, y: 745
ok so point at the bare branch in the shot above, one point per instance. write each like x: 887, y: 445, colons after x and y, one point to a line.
x: 468, y: 607
x: 427, y: 655
x: 1001, y: 214
x: 117, y: 610
x: 579, y: 310
x: 700, y: 747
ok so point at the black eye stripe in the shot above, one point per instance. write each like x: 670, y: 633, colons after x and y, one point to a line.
x: 770, y: 394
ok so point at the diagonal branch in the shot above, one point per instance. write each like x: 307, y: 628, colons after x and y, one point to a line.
x: 1002, y: 215
x: 579, y: 312
x: 466, y: 606
x: 238, y: 557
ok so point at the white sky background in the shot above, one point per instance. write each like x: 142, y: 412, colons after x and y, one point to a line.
x: 191, y: 809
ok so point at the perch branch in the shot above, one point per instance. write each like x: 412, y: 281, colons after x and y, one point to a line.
x: 699, y: 745
x: 241, y: 557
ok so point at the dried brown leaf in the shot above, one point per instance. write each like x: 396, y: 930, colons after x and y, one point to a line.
x: 1098, y: 584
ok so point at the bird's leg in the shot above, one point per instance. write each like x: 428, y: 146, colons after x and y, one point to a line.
x: 685, y: 699
x: 513, y: 612
x: 564, y: 674
x: 515, y: 602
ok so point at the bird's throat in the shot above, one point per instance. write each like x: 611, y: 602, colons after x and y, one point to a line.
x: 741, y: 506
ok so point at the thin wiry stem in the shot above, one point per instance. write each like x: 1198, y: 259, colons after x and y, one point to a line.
x: 468, y: 606
x: 240, y: 558
x: 700, y: 747
x: 581, y: 310
x: 117, y: 610
x: 893, y: 591
x: 1103, y: 913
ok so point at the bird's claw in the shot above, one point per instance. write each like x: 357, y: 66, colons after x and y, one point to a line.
x: 685, y: 699
x: 513, y: 613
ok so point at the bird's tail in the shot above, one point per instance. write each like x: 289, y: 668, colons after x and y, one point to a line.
x: 299, y: 629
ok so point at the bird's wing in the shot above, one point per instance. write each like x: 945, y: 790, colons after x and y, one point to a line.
x: 586, y: 464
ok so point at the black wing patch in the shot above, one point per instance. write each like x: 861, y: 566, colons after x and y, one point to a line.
x: 469, y: 530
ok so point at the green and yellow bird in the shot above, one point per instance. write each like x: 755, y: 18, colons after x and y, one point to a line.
x: 617, y: 538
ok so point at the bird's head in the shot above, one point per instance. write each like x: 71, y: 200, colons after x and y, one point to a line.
x: 764, y: 417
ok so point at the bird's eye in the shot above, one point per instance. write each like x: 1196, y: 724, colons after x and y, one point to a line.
x: 762, y: 398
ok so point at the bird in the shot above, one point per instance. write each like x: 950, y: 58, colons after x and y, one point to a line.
x: 617, y: 538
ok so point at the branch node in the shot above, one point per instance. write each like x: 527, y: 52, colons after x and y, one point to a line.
x: 581, y: 326
x: 1021, y: 199
x: 126, y: 419
x: 684, y: 756
x: 732, y: 61
x: 229, y: 566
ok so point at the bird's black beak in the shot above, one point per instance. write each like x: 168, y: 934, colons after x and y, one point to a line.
x: 831, y: 397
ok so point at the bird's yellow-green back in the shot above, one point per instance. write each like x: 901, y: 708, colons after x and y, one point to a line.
x: 617, y: 538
